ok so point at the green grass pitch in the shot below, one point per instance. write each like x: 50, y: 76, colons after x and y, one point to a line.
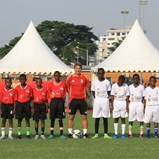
x: 135, y: 148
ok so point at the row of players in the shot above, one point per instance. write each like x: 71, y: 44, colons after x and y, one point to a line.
x: 23, y: 102
x: 141, y: 104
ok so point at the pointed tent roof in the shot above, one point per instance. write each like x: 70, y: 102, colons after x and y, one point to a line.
x: 135, y: 54
x: 32, y: 55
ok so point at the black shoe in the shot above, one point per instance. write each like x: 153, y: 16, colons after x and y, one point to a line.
x: 28, y: 136
x: 85, y: 136
x: 19, y: 137
x: 70, y: 135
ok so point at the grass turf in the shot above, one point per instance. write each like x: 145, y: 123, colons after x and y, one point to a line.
x: 135, y: 148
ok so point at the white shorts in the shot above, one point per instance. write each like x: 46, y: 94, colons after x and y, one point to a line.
x: 119, y: 109
x: 101, y: 108
x: 152, y: 114
x: 136, y: 111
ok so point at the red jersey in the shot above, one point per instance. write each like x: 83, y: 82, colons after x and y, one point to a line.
x: 40, y: 95
x: 8, y: 96
x: 24, y: 94
x: 77, y: 85
x: 57, y: 90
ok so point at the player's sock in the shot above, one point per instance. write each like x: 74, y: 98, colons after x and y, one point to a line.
x: 116, y: 128
x: 52, y: 126
x: 36, y: 131
x: 130, y: 129
x: 27, y: 131
x: 97, y: 125
x: 105, y: 124
x: 123, y: 128
x: 61, y: 127
x: 141, y: 129
x: 3, y: 131
x: 19, y: 131
x: 84, y: 131
x: 10, y: 131
x: 156, y: 131
x: 148, y: 131
x: 70, y: 130
x: 42, y: 130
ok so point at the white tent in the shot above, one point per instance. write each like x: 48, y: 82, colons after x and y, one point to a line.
x: 32, y: 55
x: 135, y: 54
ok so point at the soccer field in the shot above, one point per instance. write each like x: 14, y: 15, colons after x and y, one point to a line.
x: 135, y: 148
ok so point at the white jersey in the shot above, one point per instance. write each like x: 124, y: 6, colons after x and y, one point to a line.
x: 151, y: 96
x: 136, y: 93
x: 120, y: 93
x: 101, y: 88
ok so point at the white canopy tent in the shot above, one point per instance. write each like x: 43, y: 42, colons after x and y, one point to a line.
x: 135, y: 54
x: 32, y: 55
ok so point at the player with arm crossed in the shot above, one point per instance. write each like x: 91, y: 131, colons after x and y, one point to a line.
x: 136, y: 107
x: 101, y: 91
x: 40, y: 107
x: 119, y: 102
x: 57, y: 94
x: 151, y: 102
x: 23, y: 105
x: 8, y: 96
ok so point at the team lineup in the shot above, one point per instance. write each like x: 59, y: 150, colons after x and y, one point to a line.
x: 134, y: 101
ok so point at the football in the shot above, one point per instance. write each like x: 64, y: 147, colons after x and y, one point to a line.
x: 77, y: 134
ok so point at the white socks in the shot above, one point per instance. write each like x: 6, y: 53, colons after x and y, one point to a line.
x: 70, y: 130
x: 10, y: 131
x: 3, y: 131
x: 116, y: 128
x: 84, y: 131
x: 123, y: 128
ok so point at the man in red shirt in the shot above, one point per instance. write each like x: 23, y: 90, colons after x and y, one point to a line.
x: 8, y: 97
x: 23, y: 107
x: 77, y: 85
x: 57, y: 93
x: 40, y: 107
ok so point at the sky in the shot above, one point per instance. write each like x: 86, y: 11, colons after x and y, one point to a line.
x: 15, y: 15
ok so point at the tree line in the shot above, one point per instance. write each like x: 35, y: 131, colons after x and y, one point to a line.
x: 67, y: 40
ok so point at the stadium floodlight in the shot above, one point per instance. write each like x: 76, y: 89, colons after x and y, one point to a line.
x: 142, y: 3
x: 124, y: 12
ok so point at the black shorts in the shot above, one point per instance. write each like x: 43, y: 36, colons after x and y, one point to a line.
x: 7, y: 111
x: 23, y: 110
x: 78, y: 104
x: 57, y: 108
x: 39, y: 111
